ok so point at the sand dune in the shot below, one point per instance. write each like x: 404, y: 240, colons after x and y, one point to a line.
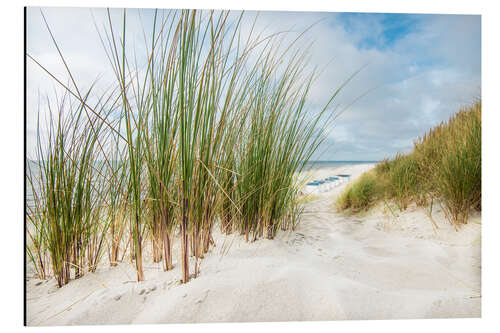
x: 332, y: 267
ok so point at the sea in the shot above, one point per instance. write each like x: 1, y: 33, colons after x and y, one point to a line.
x: 316, y: 165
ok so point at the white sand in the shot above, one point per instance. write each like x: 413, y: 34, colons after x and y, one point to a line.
x: 332, y: 267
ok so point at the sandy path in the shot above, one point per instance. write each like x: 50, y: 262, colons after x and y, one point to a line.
x: 332, y: 267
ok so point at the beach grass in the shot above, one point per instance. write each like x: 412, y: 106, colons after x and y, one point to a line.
x: 66, y: 213
x: 444, y: 167
x: 206, y: 130
x: 361, y: 195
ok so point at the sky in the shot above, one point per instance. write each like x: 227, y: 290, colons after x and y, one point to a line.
x: 415, y: 70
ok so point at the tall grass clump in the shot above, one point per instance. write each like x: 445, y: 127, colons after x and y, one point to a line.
x: 178, y: 129
x: 445, y: 166
x: 201, y: 128
x: 160, y: 148
x: 451, y: 155
x: 280, y: 136
x: 361, y: 195
x: 66, y: 209
x: 404, y: 179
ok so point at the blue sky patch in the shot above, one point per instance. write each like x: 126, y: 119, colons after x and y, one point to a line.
x: 380, y: 31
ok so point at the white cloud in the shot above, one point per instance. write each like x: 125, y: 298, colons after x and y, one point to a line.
x: 412, y: 84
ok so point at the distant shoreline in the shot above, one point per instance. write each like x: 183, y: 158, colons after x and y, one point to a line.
x: 316, y: 165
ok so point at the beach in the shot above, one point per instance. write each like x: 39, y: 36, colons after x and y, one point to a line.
x: 383, y: 264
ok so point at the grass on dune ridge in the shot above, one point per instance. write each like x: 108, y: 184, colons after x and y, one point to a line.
x: 444, y: 167
x: 210, y: 131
